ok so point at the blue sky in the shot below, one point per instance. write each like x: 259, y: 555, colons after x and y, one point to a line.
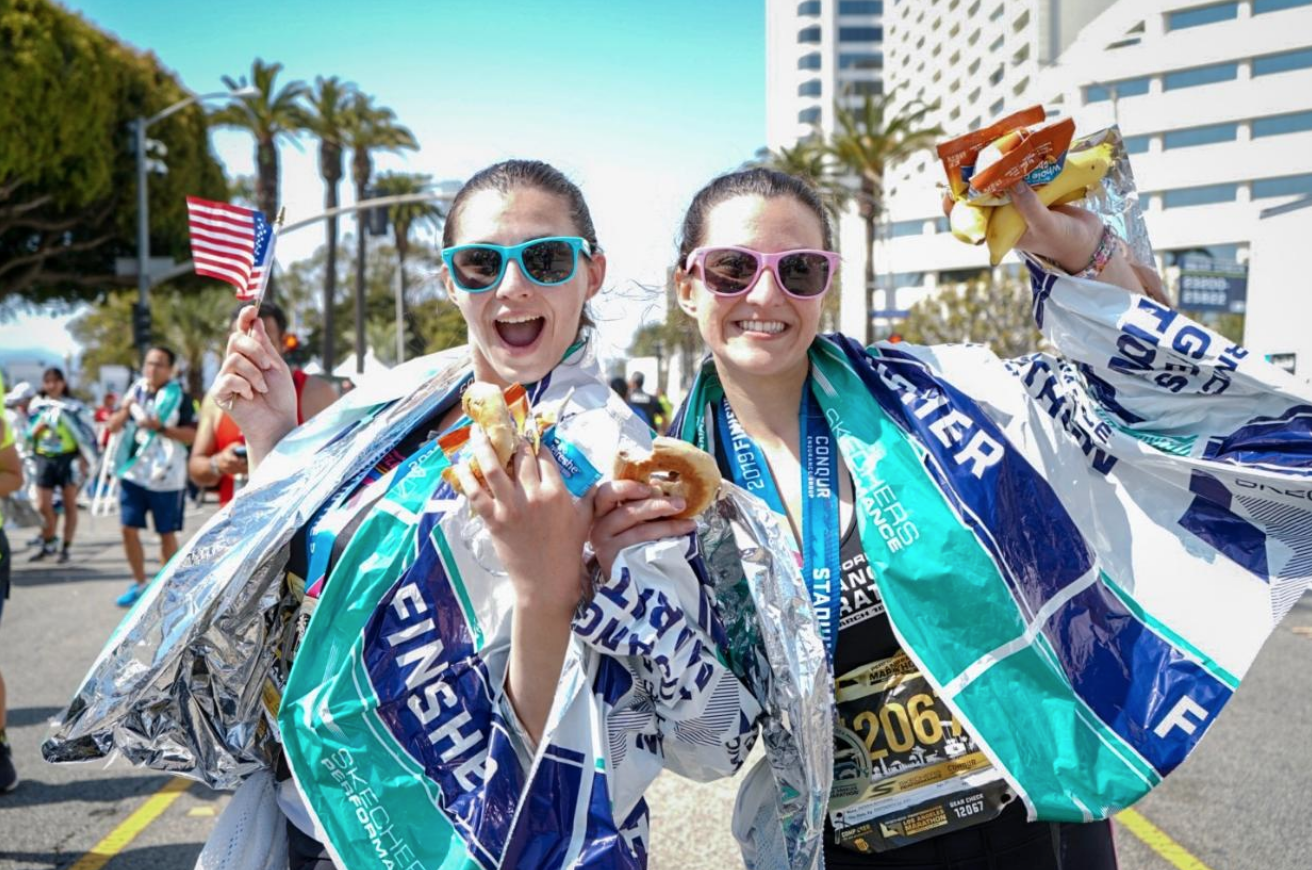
x: 640, y: 102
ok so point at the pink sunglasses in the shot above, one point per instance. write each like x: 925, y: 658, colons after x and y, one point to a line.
x: 731, y: 271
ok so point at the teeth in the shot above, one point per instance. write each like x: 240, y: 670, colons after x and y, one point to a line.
x: 520, y: 318
x: 770, y: 326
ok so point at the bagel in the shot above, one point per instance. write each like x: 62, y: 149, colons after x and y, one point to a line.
x: 485, y: 404
x: 676, y: 468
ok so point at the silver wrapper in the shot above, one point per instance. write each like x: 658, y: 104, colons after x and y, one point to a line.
x: 775, y: 648
x: 1116, y: 200
x: 178, y: 686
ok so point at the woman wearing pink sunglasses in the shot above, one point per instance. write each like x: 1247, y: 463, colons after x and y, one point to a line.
x: 755, y: 262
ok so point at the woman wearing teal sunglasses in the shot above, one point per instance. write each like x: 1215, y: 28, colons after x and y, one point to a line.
x: 521, y: 261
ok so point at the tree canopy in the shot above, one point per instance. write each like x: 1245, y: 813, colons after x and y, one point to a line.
x: 68, y: 96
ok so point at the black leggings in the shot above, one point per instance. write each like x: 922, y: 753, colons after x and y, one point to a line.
x: 305, y: 852
x: 1006, y: 843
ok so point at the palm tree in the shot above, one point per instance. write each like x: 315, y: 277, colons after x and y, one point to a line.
x: 810, y: 160
x: 271, y: 114
x: 867, y: 139
x: 406, y: 216
x: 328, y: 104
x: 369, y: 128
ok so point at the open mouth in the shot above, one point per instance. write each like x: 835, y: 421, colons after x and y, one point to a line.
x: 761, y: 327
x: 520, y: 331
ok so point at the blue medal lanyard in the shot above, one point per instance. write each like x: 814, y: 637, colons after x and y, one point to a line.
x: 821, y: 536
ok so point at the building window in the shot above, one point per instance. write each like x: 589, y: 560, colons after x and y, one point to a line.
x: 996, y: 108
x: 999, y: 12
x: 809, y: 89
x: 954, y: 114
x: 1203, y: 75
x: 810, y: 7
x: 860, y: 34
x: 956, y: 56
x: 996, y: 75
x: 898, y: 229
x: 809, y: 116
x: 1288, y: 185
x: 1021, y: 86
x: 974, y: 7
x: 1277, y: 125
x: 861, y: 60
x: 1022, y: 54
x: 1124, y: 88
x: 1200, y: 136
x: 974, y: 97
x: 974, y: 67
x: 809, y: 35
x: 1263, y: 6
x: 860, y: 7
x: 976, y: 121
x: 1019, y: 24
x: 997, y: 43
x: 1201, y: 15
x: 1137, y: 144
x: 809, y: 61
x: 864, y: 89
x: 1206, y: 195
x: 1278, y: 63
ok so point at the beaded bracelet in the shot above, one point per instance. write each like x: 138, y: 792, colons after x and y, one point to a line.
x: 1102, y: 255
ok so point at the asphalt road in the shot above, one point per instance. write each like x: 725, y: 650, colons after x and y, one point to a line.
x: 1241, y: 803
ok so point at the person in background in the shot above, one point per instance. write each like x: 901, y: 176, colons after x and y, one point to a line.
x: 643, y: 404
x: 218, y: 455
x: 11, y: 480
x: 57, y: 452
x: 620, y: 387
x: 158, y: 423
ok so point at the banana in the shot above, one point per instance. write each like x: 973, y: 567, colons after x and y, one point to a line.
x: 1082, y: 172
x: 969, y: 222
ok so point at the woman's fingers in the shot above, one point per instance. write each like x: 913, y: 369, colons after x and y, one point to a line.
x: 630, y: 514
x: 613, y: 493
x: 229, y: 386
x: 499, y: 484
x: 260, y: 353
x: 236, y: 364
x: 474, y: 492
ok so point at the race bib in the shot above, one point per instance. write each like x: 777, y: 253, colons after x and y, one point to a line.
x: 904, y: 769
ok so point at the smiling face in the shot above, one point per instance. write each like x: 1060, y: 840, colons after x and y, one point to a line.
x: 762, y: 332
x: 519, y: 331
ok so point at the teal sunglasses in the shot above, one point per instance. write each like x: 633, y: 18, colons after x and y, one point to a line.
x: 546, y: 262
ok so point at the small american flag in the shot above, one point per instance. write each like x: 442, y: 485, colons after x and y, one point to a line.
x: 231, y: 243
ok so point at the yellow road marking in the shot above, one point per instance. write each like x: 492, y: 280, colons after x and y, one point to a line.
x: 1158, y: 840
x: 129, y: 828
x: 196, y: 812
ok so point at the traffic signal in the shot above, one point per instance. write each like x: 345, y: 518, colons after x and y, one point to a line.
x: 290, y: 343
x: 895, y: 338
x: 141, y: 326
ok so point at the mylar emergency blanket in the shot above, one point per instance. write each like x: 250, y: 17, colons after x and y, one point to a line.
x: 393, y: 718
x: 1081, y: 553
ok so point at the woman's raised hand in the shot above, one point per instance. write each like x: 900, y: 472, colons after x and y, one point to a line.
x: 537, y: 529
x: 628, y: 512
x: 1067, y: 235
x: 255, y: 386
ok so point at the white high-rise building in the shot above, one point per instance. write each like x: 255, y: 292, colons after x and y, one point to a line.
x: 818, y: 51
x: 1214, y: 100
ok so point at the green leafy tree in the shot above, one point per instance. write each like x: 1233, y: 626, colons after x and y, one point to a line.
x: 69, y: 94
x: 271, y: 115
x: 369, y: 128
x: 981, y: 311
x: 328, y: 105
x: 193, y: 323
x: 867, y: 140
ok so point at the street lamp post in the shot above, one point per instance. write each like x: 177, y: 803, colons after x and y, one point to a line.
x: 143, y: 214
